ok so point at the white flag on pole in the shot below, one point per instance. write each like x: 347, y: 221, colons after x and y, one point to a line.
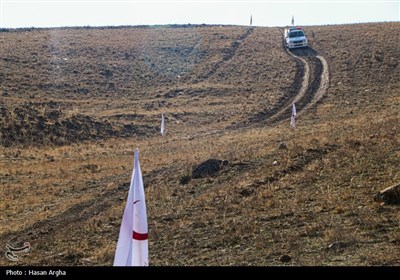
x: 162, y: 124
x: 293, y: 118
x: 133, y: 246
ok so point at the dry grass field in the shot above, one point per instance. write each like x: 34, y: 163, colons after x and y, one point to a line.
x: 75, y: 102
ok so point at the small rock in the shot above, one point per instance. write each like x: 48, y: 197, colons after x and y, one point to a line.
x: 282, y: 146
x: 107, y: 73
x: 44, y: 231
x: 167, y: 219
x: 275, y: 162
x: 207, y: 168
x: 390, y: 195
x: 336, y: 245
x: 125, y: 186
x: 285, y: 258
x: 93, y: 168
x: 246, y: 192
x: 184, y: 179
x: 87, y: 260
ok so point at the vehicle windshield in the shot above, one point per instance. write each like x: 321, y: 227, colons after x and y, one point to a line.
x: 296, y: 34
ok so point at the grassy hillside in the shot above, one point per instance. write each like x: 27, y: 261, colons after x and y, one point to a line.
x: 76, y: 102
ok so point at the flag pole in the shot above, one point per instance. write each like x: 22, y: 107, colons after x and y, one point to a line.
x: 293, y: 117
x: 162, y: 124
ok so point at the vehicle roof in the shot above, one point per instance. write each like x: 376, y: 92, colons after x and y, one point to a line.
x: 294, y: 28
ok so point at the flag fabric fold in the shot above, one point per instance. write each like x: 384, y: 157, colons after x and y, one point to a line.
x: 132, y: 246
x: 293, y: 118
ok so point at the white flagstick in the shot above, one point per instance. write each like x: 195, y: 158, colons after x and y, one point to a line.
x: 293, y: 118
x: 132, y: 247
x: 162, y: 124
x: 294, y: 113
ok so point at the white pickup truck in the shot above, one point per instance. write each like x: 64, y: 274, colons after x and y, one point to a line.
x: 295, y: 38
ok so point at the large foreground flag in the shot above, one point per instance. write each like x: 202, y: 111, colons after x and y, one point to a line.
x: 133, y: 245
x: 162, y: 124
x: 293, y: 118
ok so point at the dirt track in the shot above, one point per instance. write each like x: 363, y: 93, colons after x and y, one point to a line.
x: 324, y: 83
x: 312, y: 74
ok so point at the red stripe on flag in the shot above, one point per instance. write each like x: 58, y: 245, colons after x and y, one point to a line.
x: 139, y: 236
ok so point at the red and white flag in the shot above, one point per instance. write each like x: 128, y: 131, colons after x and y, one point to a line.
x: 293, y: 118
x: 133, y: 246
x: 162, y: 124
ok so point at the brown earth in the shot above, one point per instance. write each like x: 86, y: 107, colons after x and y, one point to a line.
x: 74, y: 102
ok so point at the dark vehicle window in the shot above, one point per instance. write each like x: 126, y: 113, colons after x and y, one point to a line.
x: 296, y: 34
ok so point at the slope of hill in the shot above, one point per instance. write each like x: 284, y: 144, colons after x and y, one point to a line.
x: 75, y: 102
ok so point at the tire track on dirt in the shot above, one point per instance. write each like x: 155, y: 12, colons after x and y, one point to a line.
x: 300, y: 162
x: 313, y: 74
x: 228, y: 56
x: 323, y: 84
x: 284, y: 110
x: 309, y: 85
x: 312, y: 91
x: 296, y: 92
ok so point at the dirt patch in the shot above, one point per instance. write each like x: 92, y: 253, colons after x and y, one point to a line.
x: 37, y: 126
x: 208, y: 168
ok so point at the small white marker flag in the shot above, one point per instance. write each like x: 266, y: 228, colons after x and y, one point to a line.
x: 133, y: 246
x: 162, y: 124
x: 293, y: 118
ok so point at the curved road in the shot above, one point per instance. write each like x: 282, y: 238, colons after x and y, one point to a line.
x: 310, y: 84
